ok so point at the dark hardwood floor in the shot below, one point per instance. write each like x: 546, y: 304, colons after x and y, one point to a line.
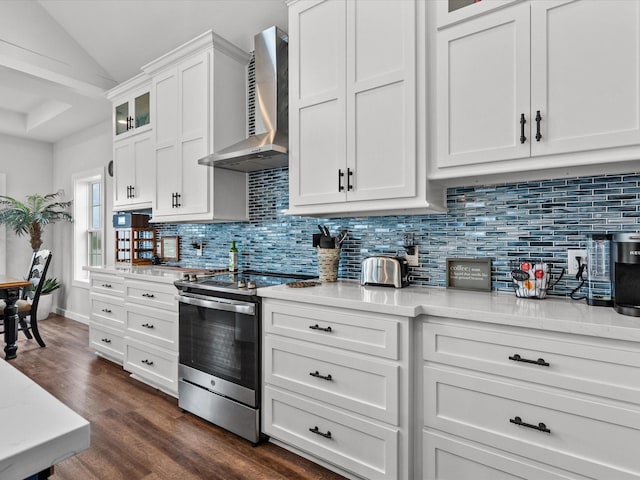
x: 136, y: 431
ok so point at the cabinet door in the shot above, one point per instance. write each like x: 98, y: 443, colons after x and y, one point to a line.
x: 317, y: 155
x: 585, y: 74
x: 381, y: 99
x: 143, y: 185
x: 167, y: 163
x: 123, y: 172
x: 194, y: 80
x: 483, y: 88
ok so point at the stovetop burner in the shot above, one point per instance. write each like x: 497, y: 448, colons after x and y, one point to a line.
x: 243, y: 283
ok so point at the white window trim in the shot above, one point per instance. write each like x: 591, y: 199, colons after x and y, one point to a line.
x: 81, y: 182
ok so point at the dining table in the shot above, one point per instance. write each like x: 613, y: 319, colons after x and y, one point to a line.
x: 10, y: 292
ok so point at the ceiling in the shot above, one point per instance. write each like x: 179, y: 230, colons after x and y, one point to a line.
x: 58, y: 57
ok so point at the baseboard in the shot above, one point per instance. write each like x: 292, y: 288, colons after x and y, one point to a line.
x: 73, y: 315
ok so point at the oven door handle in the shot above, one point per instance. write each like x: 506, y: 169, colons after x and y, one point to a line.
x: 228, y: 306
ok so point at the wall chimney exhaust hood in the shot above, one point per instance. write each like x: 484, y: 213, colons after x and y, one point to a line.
x: 269, y: 146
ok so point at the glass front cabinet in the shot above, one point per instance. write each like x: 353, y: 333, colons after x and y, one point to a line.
x: 454, y: 11
x: 131, y: 106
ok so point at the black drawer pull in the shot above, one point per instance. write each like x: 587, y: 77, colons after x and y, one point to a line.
x: 518, y: 358
x: 105, y: 340
x: 148, y: 295
x: 340, y: 175
x: 317, y: 375
x: 147, y: 362
x: 106, y: 285
x: 147, y: 325
x: 106, y: 310
x: 317, y: 431
x: 522, y: 122
x: 317, y: 327
x: 541, y: 426
x: 538, y: 119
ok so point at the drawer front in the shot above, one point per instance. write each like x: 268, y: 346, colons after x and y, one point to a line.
x: 364, y: 385
x: 158, y: 295
x: 364, y: 448
x: 607, y: 369
x: 107, y: 284
x: 586, y: 436
x: 158, y: 367
x: 370, y: 333
x: 447, y: 458
x: 107, y: 341
x: 152, y: 325
x: 106, y: 310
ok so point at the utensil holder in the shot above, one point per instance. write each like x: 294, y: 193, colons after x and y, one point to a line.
x: 328, y: 260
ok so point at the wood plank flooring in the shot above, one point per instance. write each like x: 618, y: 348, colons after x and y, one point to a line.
x: 137, y: 432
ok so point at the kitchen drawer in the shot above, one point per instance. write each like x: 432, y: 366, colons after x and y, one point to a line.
x: 605, y: 368
x: 450, y: 458
x: 158, y: 367
x: 107, y: 284
x: 159, y: 295
x: 364, y: 385
x: 107, y: 341
x: 152, y: 325
x: 106, y: 310
x: 362, y: 447
x: 369, y: 333
x: 587, y: 435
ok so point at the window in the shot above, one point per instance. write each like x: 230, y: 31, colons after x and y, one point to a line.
x: 88, y: 221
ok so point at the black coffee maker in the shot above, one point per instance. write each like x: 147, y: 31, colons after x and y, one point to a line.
x: 625, y: 273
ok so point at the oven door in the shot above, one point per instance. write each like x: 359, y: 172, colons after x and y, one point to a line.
x: 219, y: 342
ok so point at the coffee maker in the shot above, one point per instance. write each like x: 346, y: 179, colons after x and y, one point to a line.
x: 625, y: 273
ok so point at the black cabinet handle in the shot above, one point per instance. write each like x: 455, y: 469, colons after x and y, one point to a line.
x: 349, y: 175
x: 317, y: 327
x: 131, y: 125
x: 317, y: 375
x: 541, y: 426
x: 148, y: 295
x: 106, y: 285
x: 147, y: 325
x: 133, y: 191
x: 538, y: 119
x: 340, y: 175
x: 105, y: 340
x: 517, y: 358
x: 178, y: 200
x: 317, y: 431
x: 149, y: 362
x: 522, y: 122
x: 106, y: 310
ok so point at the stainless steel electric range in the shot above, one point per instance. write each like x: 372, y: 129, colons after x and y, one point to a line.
x: 219, y: 372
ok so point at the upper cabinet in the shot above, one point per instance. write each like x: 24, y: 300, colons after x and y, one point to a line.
x: 536, y: 85
x: 133, y: 144
x: 198, y: 100
x: 353, y: 108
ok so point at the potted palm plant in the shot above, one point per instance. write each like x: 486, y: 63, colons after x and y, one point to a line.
x: 31, y: 217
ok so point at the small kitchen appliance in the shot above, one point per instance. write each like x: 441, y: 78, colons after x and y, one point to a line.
x: 385, y: 271
x: 625, y: 273
x: 599, y: 270
x: 219, y: 359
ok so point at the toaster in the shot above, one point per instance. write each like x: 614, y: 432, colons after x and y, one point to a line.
x: 385, y: 271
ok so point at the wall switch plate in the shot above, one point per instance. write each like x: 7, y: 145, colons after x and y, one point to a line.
x: 412, y: 260
x: 572, y: 262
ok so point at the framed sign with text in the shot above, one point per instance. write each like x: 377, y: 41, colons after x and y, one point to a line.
x: 469, y: 273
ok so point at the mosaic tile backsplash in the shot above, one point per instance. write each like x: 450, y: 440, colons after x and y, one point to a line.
x: 509, y: 222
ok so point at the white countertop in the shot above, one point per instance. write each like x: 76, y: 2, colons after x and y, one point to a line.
x: 562, y: 315
x: 36, y: 429
x: 156, y: 273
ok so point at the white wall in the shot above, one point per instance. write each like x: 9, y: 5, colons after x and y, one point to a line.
x: 29, y: 169
x: 86, y: 150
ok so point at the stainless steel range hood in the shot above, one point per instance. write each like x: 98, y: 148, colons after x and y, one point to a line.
x: 269, y: 146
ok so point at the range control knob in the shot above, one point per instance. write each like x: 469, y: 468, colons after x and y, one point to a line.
x: 251, y: 284
x: 242, y: 284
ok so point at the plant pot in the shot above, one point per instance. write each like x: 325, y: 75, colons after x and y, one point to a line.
x: 45, y: 304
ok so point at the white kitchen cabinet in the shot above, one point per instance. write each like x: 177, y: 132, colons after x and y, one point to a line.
x: 336, y: 386
x: 106, y: 319
x: 199, y: 106
x: 353, y: 107
x: 564, y: 404
x: 572, y: 64
x: 449, y: 12
x: 132, y: 147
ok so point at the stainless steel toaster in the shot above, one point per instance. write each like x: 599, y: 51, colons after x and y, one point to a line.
x: 385, y: 271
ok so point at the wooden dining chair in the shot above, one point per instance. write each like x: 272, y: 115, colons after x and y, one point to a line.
x: 28, y: 307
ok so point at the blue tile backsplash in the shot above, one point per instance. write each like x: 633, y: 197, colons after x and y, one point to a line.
x: 505, y: 222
